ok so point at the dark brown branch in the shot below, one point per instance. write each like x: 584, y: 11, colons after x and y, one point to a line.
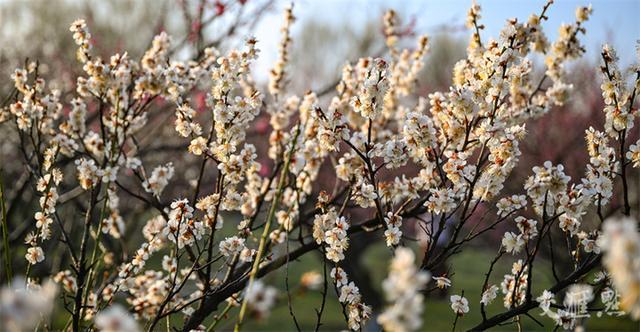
x: 531, y: 304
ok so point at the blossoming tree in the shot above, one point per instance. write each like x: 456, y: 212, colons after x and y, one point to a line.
x: 235, y: 223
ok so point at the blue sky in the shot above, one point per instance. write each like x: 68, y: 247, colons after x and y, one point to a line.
x: 613, y: 21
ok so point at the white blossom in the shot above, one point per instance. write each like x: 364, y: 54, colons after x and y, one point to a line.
x: 115, y: 319
x: 459, y: 304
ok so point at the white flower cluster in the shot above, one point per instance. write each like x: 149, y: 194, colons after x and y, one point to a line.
x: 155, y: 239
x: 88, y: 173
x: 331, y: 229
x: 332, y: 122
x: 566, y: 47
x: 67, y: 280
x: 358, y: 313
x: 465, y: 143
x: 619, y: 115
x: 47, y: 186
x: 393, y: 234
x: 277, y: 77
x: 182, y: 228
x: 503, y: 157
x: 513, y: 243
x: 232, y: 115
x: 634, y: 154
x: 390, y: 21
x: 405, y: 65
x: 602, y: 165
x: 441, y: 201
x: 82, y: 37
x: 261, y: 298
x: 514, y: 285
x: 402, y: 289
x: 24, y: 305
x: 546, y: 187
x: 394, y: 153
x: 489, y: 294
x: 545, y: 301
x: 113, y: 223
x: 420, y: 135
x: 508, y: 205
x: 370, y: 99
x: 159, y: 179
x: 365, y: 193
x: 210, y: 205
x: 232, y: 246
x: 147, y: 291
x: 115, y: 319
x: 186, y: 126
x: 36, y: 106
x: 621, y: 243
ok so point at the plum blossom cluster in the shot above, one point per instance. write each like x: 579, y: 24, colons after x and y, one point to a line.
x: 621, y: 243
x: 357, y: 312
x: 512, y: 242
x: 182, y: 228
x: 277, y: 75
x: 514, y: 285
x: 116, y: 318
x: 393, y: 234
x: 402, y: 289
x: 261, y: 298
x: 331, y: 229
x: 171, y: 237
x: 619, y: 114
x: 159, y: 179
x: 47, y: 186
x: 23, y: 305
